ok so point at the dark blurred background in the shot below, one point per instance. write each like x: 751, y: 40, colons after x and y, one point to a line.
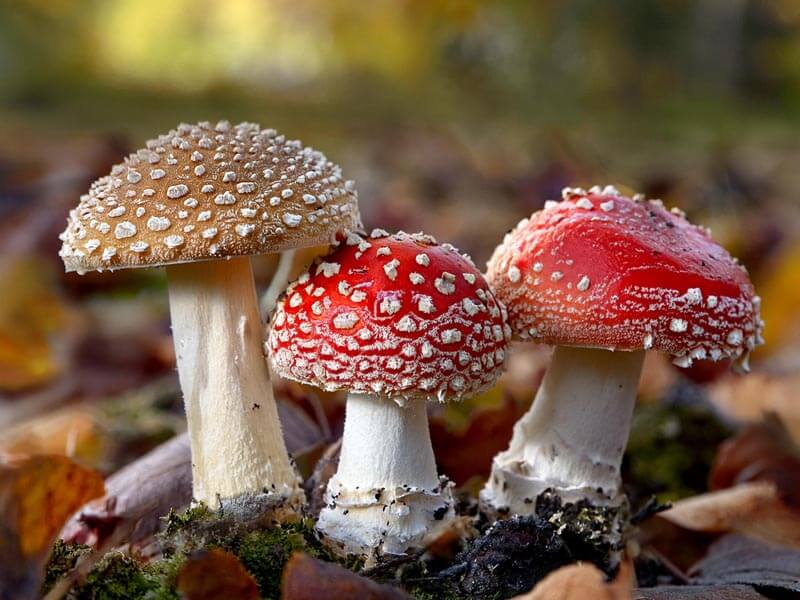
x: 454, y: 117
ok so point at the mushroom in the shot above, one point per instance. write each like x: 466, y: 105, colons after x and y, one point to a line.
x: 604, y: 278
x: 200, y: 200
x: 395, y: 320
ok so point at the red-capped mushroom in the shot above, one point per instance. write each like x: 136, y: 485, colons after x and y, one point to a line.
x: 394, y: 320
x: 603, y: 278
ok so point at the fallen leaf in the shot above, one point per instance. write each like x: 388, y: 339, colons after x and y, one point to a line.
x: 736, y: 559
x: 37, y: 495
x: 215, y: 574
x: 136, y: 498
x: 30, y: 315
x: 761, y: 452
x: 755, y: 480
x: 679, y: 546
x: 780, y: 294
x: 463, y: 454
x: 754, y: 508
x: 749, y: 398
x: 142, y: 492
x: 698, y: 592
x: 581, y: 582
x: 306, y: 578
x: 72, y: 432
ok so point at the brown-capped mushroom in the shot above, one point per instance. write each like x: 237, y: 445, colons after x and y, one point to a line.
x: 200, y: 200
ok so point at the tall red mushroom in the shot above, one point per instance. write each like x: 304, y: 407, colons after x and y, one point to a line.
x: 394, y: 320
x: 603, y: 277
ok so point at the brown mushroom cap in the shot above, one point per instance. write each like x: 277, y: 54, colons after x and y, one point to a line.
x: 203, y: 192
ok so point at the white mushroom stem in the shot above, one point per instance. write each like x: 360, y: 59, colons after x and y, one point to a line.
x: 236, y: 441
x: 386, y: 495
x: 573, y: 437
x: 280, y: 280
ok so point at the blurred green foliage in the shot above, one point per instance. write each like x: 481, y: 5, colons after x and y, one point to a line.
x: 544, y: 59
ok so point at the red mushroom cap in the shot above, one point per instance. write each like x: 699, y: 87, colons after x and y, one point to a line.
x: 605, y: 271
x: 397, y: 315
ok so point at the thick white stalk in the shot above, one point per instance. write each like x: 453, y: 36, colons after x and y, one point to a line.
x: 573, y: 437
x: 236, y: 441
x: 386, y: 495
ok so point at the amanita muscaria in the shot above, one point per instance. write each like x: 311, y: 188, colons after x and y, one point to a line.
x: 200, y: 200
x: 395, y: 320
x: 603, y: 278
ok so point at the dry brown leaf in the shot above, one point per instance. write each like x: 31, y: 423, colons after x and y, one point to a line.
x: 215, y: 574
x: 583, y: 581
x: 468, y: 453
x: 145, y: 490
x: 760, y: 452
x: 698, y: 592
x: 37, y: 495
x: 737, y: 559
x: 755, y: 509
x: 749, y: 398
x: 73, y: 432
x: 138, y: 495
x: 306, y: 578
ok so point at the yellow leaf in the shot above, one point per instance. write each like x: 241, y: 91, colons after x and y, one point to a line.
x: 780, y: 297
x: 39, y: 493
x: 30, y: 313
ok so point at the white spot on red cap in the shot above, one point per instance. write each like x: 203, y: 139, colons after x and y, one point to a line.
x: 328, y: 269
x: 444, y: 284
x: 390, y: 269
x: 345, y: 320
x: 678, y: 325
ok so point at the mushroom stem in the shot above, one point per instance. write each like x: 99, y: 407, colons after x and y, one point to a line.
x: 573, y: 437
x: 386, y: 495
x: 280, y: 280
x: 236, y: 440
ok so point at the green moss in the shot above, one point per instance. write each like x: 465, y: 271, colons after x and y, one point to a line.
x: 265, y: 553
x: 421, y: 594
x: 263, y: 550
x: 118, y: 576
x: 670, y: 451
x: 176, y: 523
x: 63, y: 559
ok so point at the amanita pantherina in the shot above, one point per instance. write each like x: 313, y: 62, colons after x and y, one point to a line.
x: 394, y: 320
x: 190, y: 199
x: 603, y: 278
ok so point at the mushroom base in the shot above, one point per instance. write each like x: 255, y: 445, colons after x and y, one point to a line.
x: 385, y: 497
x: 572, y: 439
x: 236, y: 441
